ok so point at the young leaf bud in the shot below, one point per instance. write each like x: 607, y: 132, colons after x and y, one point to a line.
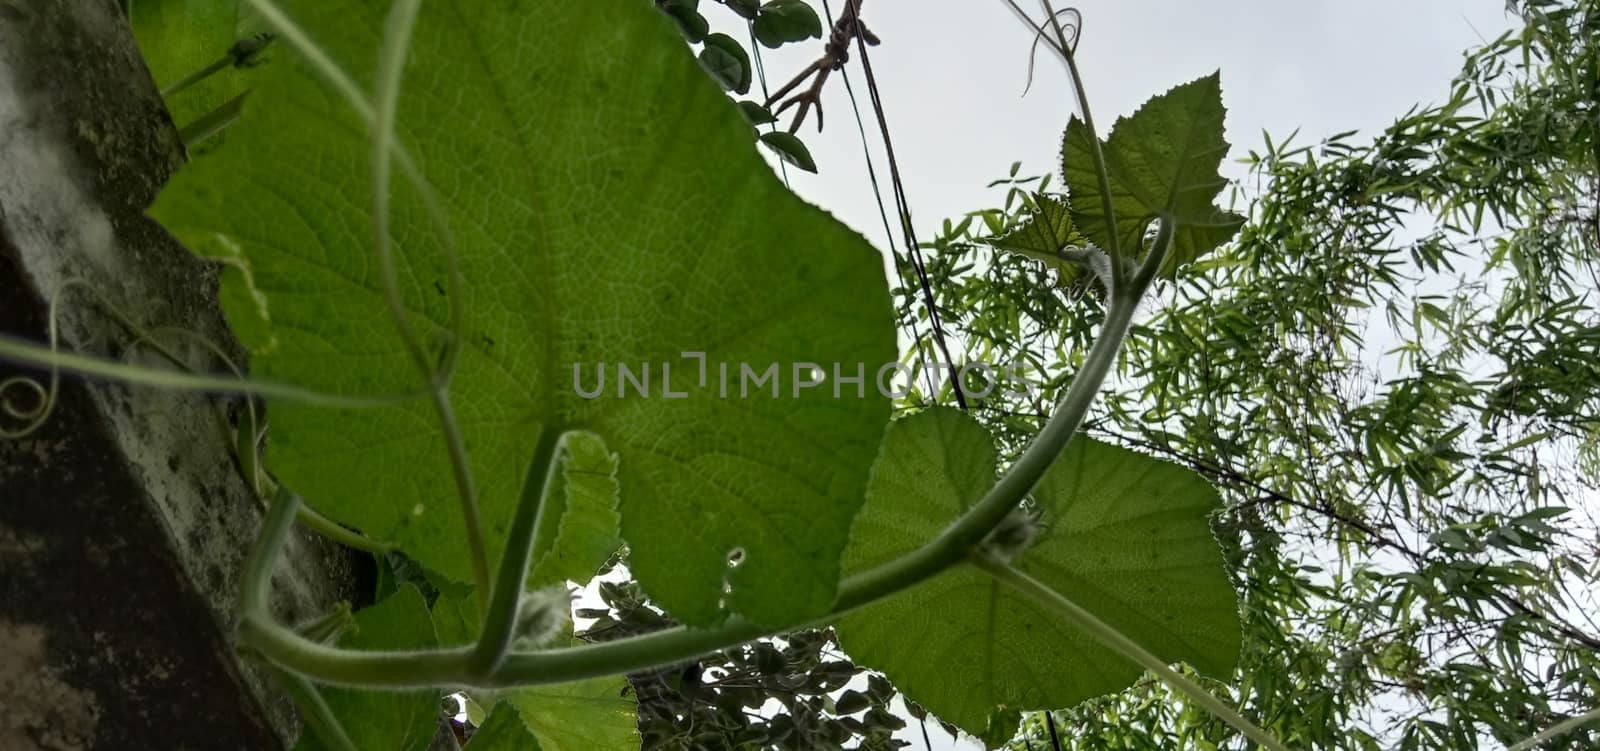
x: 542, y: 616
x: 1013, y: 536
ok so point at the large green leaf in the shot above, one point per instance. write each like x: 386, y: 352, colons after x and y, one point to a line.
x: 593, y: 715
x: 1123, y: 535
x: 399, y: 720
x: 609, y: 207
x: 1162, y: 162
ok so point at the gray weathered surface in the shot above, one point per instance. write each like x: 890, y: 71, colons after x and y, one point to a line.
x: 123, y: 520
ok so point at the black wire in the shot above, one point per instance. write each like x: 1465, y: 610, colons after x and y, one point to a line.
x: 914, y: 250
x: 1055, y: 738
x: 877, y: 189
x: 761, y: 73
x: 866, y: 150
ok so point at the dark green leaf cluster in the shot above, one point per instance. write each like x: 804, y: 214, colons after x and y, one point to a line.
x: 797, y: 693
x: 773, y: 24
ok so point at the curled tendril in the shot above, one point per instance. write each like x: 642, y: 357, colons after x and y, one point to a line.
x: 43, y: 404
x: 42, y: 400
x: 1071, y: 27
x: 33, y: 415
x: 252, y: 427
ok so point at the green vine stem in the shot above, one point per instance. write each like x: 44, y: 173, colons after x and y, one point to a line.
x: 318, y: 716
x: 380, y: 117
x: 499, y: 623
x: 1064, y: 49
x: 1111, y: 637
x: 246, y: 447
x: 25, y: 352
x: 256, y: 589
x: 244, y: 53
x: 216, y: 66
x: 391, y: 68
x: 313, y: 520
x: 346, y: 87
x: 212, y: 122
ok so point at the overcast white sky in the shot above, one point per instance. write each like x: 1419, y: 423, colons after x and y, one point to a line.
x: 951, y: 74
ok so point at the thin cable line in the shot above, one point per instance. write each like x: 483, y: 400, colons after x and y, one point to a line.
x: 761, y: 73
x: 902, y: 205
x: 877, y: 192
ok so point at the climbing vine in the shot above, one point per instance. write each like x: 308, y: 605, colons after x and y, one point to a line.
x: 523, y: 301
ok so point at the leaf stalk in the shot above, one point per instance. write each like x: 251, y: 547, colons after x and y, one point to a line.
x: 499, y: 624
x: 1108, y: 635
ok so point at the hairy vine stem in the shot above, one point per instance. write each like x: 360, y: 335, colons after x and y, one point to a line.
x: 380, y: 119
x: 500, y: 621
x: 1065, y: 50
x: 318, y: 716
x: 22, y: 351
x: 401, y: 21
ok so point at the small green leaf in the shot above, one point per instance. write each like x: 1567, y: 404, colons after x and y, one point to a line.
x: 396, y: 569
x: 686, y: 13
x: 591, y: 714
x: 1123, y: 535
x: 769, y: 661
x: 790, y: 149
x: 505, y: 730
x: 722, y: 66
x: 401, y: 720
x: 783, y: 21
x: 727, y: 60
x: 746, y: 8
x: 1163, y: 162
x: 1042, y: 236
x: 851, y: 702
x: 586, y: 504
x: 1044, y: 233
x: 756, y: 113
x: 455, y: 620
